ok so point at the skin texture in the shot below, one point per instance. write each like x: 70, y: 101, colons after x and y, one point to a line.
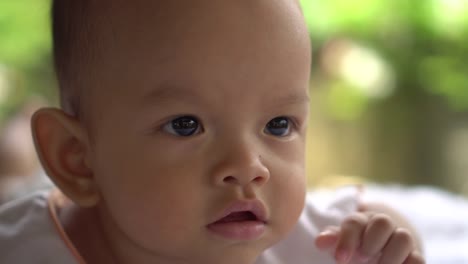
x: 146, y: 194
x: 235, y: 66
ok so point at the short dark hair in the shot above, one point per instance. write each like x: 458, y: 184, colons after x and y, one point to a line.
x: 72, y: 38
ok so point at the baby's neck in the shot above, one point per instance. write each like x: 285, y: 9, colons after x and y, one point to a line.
x: 83, y: 229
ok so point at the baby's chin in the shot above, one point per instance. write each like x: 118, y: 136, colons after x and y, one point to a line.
x: 240, y: 256
x: 242, y: 252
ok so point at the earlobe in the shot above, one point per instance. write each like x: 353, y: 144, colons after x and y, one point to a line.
x: 63, y: 148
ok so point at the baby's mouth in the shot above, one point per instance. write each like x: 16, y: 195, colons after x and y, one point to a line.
x: 237, y: 217
x: 241, y: 221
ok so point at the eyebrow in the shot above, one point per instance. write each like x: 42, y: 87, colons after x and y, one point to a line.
x: 293, y: 99
x: 166, y: 92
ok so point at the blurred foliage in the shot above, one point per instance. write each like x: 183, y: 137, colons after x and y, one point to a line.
x: 23, y: 31
x: 391, y: 77
x: 24, y: 53
x: 424, y: 42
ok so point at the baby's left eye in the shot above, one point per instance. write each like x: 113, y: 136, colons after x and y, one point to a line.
x: 184, y: 126
x: 279, y: 126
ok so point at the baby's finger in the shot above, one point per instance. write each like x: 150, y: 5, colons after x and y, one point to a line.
x: 375, y: 237
x: 398, y: 248
x: 414, y: 258
x: 350, y: 237
x: 327, y: 238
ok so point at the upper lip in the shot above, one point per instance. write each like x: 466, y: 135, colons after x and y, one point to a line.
x: 256, y: 207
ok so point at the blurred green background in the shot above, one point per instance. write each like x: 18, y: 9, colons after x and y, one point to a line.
x: 389, y: 86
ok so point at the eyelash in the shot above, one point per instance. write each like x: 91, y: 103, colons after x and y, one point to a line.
x: 168, y: 127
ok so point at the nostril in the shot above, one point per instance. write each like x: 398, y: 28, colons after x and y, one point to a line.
x: 259, y: 179
x: 230, y: 179
x: 235, y: 180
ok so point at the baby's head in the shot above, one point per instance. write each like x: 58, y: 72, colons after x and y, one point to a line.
x: 178, y: 113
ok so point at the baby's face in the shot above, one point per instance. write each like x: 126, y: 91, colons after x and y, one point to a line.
x: 201, y: 108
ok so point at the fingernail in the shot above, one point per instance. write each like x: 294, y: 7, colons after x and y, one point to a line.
x: 342, y: 256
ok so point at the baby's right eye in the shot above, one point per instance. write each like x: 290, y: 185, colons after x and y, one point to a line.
x: 183, y: 126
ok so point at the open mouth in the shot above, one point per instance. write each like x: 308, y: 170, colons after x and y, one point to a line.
x: 243, y: 211
x: 242, y: 216
x: 241, y: 221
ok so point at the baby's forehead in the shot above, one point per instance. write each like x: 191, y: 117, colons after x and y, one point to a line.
x: 217, y: 41
x: 177, y: 17
x: 168, y: 31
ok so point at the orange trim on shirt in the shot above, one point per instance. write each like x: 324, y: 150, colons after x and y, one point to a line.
x: 56, y: 200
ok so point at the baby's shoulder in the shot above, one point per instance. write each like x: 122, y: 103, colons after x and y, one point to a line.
x: 28, y: 234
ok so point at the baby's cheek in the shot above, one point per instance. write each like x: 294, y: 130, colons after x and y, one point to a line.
x: 149, y: 220
x: 287, y: 199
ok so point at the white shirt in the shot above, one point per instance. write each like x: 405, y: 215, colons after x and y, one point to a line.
x: 31, y: 233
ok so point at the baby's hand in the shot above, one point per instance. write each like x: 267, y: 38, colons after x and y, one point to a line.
x: 370, y: 238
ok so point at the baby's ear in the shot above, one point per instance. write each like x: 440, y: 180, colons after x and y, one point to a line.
x: 63, y: 148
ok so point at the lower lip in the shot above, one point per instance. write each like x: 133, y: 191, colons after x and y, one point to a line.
x: 245, y: 230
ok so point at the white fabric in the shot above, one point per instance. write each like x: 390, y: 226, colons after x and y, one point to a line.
x: 440, y: 218
x: 28, y: 234
x: 20, y: 186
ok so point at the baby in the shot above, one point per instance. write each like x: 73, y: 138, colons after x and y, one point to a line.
x: 181, y: 140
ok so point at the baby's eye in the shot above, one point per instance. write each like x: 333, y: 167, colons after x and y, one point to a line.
x: 279, y: 126
x: 183, y: 126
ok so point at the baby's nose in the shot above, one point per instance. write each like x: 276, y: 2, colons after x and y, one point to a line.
x: 256, y: 174
x: 242, y: 166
